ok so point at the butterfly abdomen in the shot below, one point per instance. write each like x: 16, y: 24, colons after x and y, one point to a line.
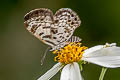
x: 74, y: 39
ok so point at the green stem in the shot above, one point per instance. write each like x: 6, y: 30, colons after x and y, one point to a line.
x: 102, y: 73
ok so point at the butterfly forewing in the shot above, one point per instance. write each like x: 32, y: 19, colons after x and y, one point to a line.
x: 52, y: 29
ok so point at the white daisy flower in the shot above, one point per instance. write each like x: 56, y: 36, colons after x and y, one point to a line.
x: 104, y: 55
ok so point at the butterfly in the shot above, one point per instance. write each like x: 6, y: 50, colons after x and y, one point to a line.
x: 53, y: 30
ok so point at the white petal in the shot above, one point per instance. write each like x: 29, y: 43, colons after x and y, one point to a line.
x: 107, y: 57
x: 71, y: 72
x: 65, y: 75
x: 75, y: 72
x: 49, y: 74
x: 90, y: 51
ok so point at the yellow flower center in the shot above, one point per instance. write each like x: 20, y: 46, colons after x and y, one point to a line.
x: 71, y: 53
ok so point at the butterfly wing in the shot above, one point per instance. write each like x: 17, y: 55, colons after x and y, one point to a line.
x: 65, y: 22
x: 52, y: 29
x: 39, y: 22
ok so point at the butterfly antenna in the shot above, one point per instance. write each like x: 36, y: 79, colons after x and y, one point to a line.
x: 43, y: 58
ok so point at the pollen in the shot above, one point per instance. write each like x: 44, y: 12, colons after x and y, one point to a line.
x: 71, y: 53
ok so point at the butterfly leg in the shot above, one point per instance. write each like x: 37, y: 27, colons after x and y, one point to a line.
x: 44, y: 55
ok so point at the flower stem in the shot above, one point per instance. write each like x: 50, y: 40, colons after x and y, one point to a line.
x: 102, y: 73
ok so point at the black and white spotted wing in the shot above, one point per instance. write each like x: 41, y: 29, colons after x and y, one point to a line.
x: 39, y: 22
x: 53, y: 30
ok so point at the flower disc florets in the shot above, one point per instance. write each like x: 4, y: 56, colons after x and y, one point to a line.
x: 70, y: 53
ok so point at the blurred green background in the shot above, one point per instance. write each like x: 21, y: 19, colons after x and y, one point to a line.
x: 20, y: 52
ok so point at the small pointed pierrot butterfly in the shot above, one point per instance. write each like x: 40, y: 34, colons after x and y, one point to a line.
x: 53, y: 30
